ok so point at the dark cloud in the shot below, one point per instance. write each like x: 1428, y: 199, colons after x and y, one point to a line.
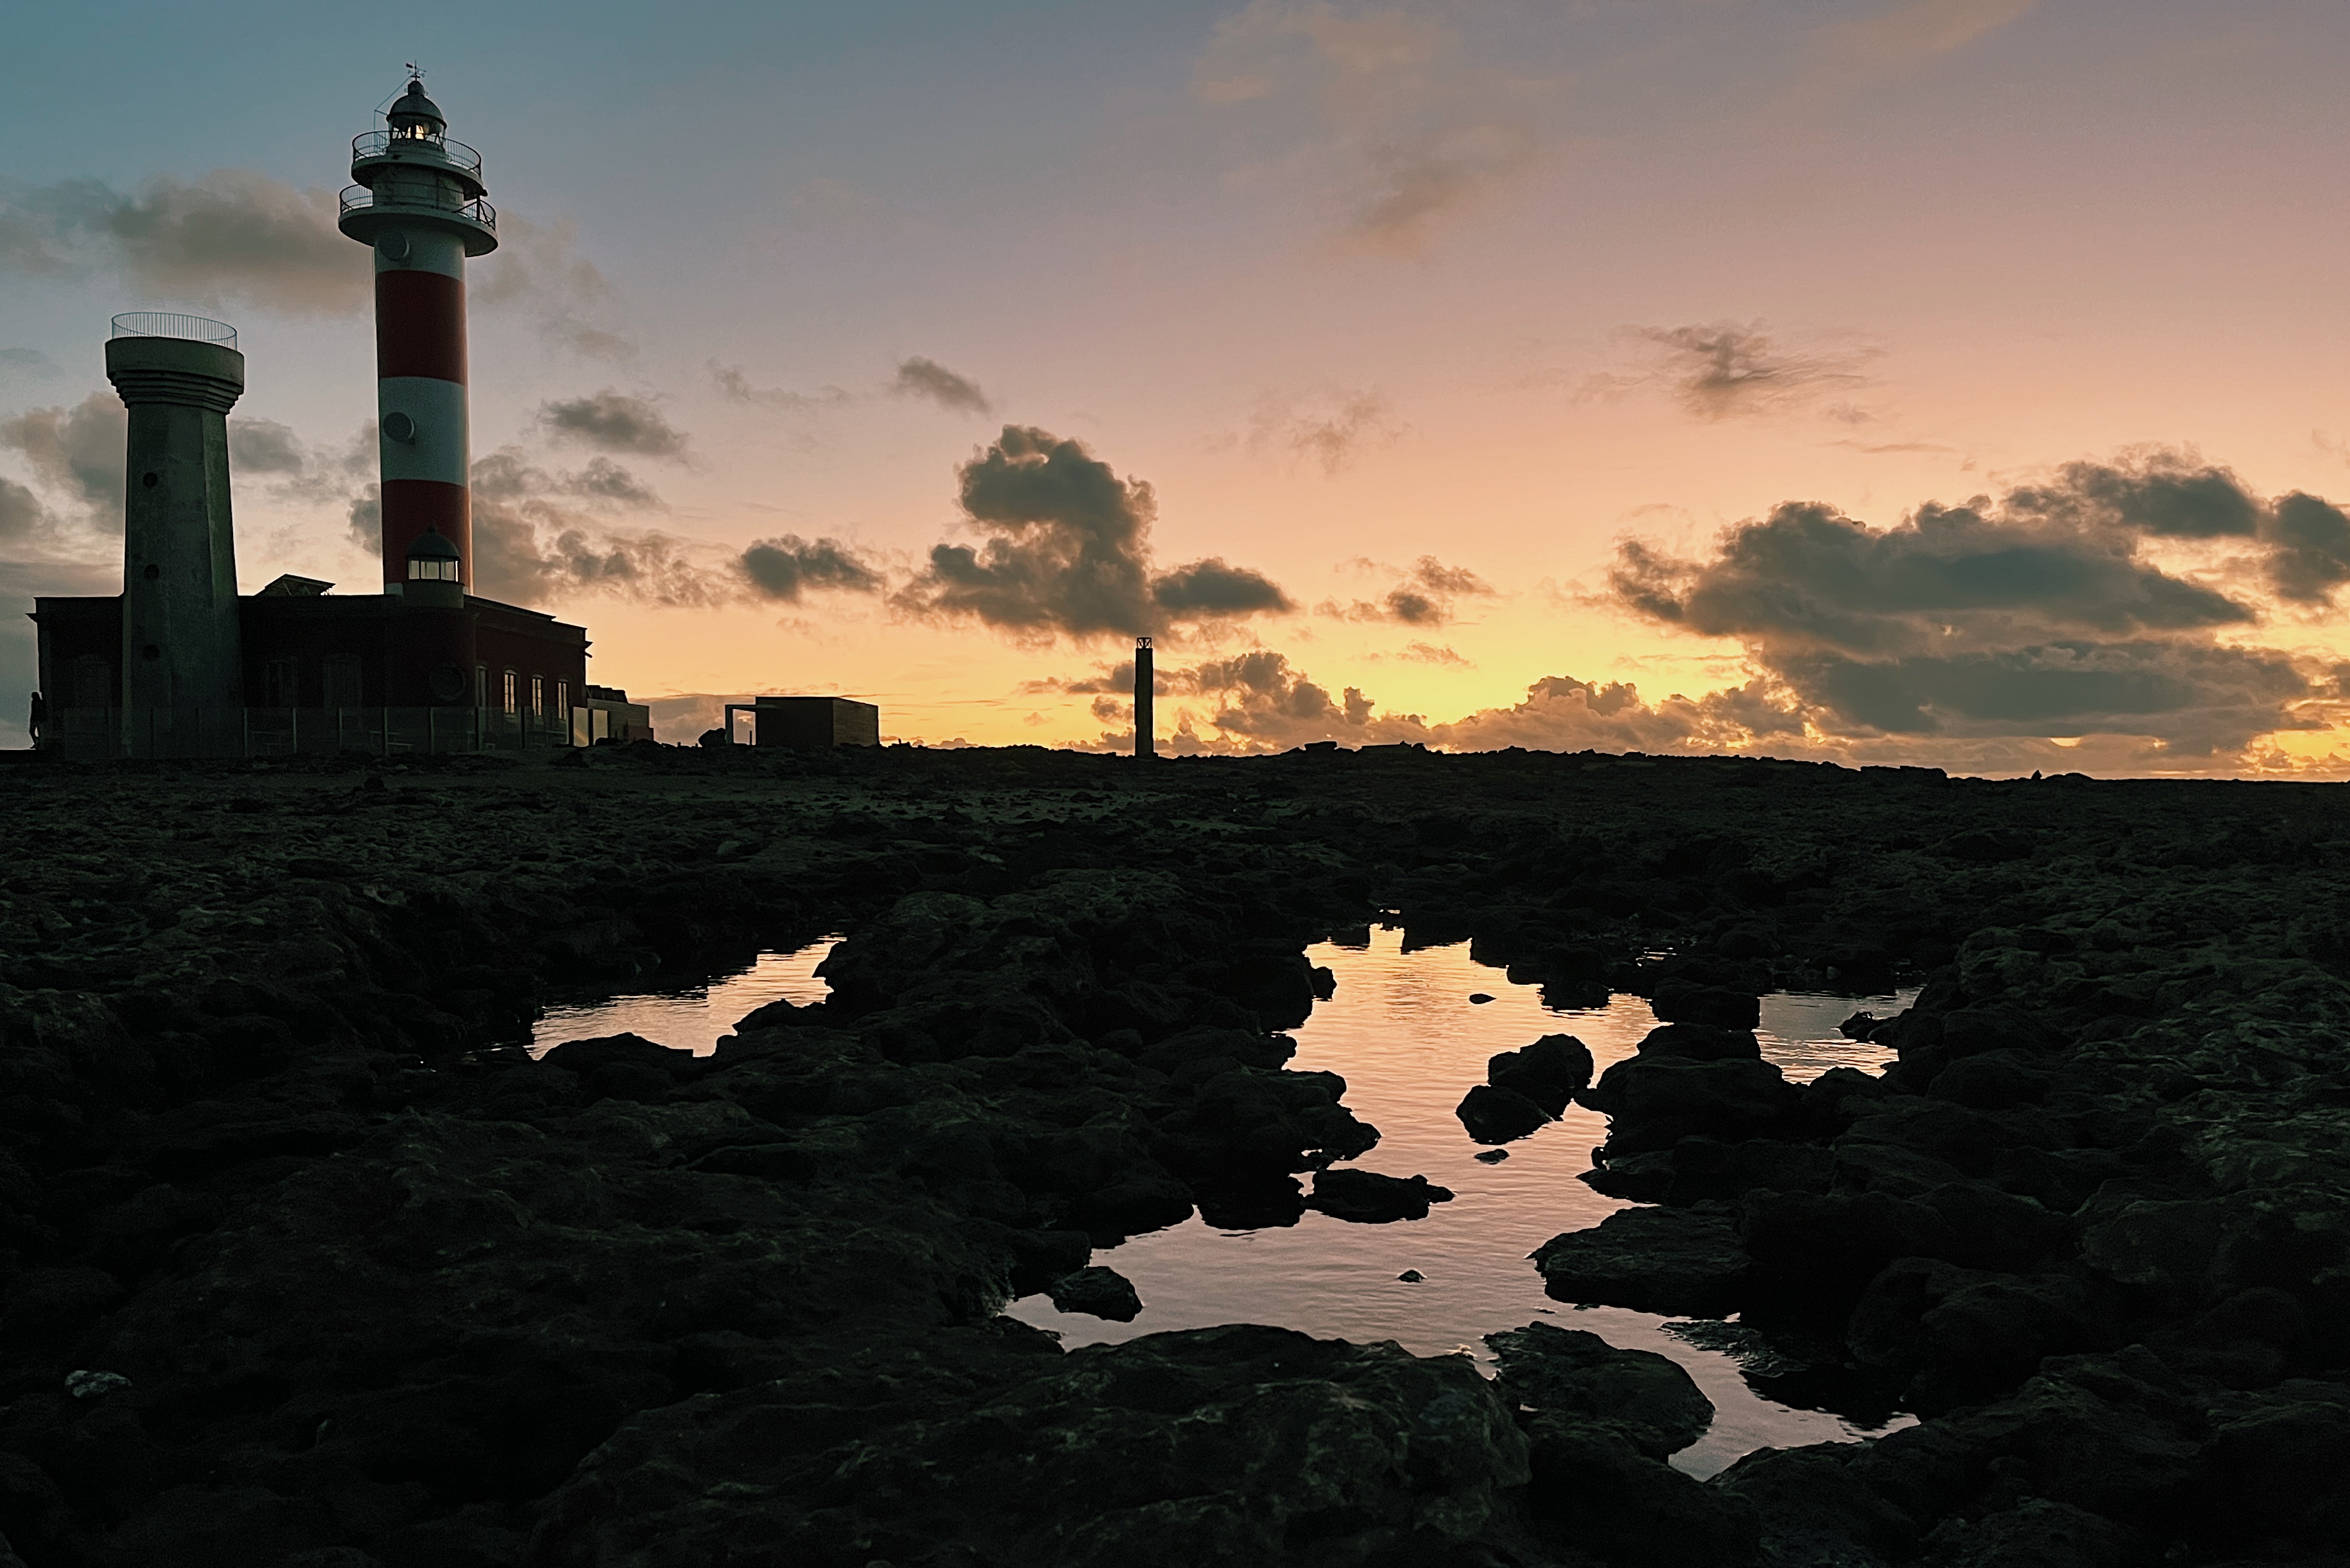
x: 76, y: 451
x: 614, y: 421
x: 2309, y: 543
x: 1068, y: 551
x: 933, y: 382
x: 533, y: 542
x: 264, y: 446
x: 22, y: 515
x: 604, y: 480
x: 785, y: 569
x: 1211, y: 590
x: 1424, y: 597
x: 2037, y: 615
x: 231, y: 235
x: 2161, y: 494
x: 1724, y: 369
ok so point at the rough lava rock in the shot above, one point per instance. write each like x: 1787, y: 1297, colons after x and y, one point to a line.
x: 1102, y: 1292
x: 1366, y: 1197
x: 1684, y: 1262
x: 1650, y: 1396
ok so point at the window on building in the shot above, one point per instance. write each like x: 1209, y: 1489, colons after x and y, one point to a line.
x: 563, y: 697
x: 538, y: 696
x: 282, y: 682
x: 511, y: 705
x: 480, y: 686
x: 343, y: 680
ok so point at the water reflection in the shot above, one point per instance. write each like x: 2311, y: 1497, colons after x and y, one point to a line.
x: 693, y: 1017
x: 1402, y: 1032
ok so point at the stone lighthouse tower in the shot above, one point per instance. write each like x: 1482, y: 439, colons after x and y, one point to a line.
x: 418, y: 202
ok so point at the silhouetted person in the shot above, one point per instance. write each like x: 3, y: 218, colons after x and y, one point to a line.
x: 40, y: 715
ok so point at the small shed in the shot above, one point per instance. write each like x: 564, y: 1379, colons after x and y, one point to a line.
x: 808, y: 721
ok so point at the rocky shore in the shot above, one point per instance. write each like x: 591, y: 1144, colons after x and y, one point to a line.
x: 305, y: 1263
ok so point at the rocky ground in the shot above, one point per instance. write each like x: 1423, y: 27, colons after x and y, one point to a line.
x: 305, y: 1264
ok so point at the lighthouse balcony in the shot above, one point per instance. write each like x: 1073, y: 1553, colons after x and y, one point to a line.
x: 414, y: 147
x: 366, y: 212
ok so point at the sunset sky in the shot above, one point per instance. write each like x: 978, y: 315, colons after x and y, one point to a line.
x: 1946, y: 381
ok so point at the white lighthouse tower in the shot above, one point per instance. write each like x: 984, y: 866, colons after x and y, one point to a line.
x: 418, y: 202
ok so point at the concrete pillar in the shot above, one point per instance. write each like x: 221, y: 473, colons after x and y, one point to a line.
x: 1146, y: 733
x: 180, y: 646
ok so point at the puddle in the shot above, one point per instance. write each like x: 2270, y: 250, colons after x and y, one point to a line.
x: 1403, y: 1033
x: 694, y: 1017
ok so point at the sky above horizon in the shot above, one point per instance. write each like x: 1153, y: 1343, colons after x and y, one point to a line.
x: 1946, y: 381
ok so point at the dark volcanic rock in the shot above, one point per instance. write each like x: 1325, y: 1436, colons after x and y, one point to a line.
x: 1687, y: 1002
x: 1234, y: 1445
x: 1103, y: 1293
x: 1368, y: 1198
x: 1702, y: 1042
x: 1679, y: 1262
x: 1499, y: 1116
x: 1549, y: 1071
x: 1600, y: 1494
x: 1649, y: 1397
x: 1653, y: 1102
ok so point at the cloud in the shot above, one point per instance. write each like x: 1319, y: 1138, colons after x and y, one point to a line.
x: 2310, y: 549
x: 76, y: 451
x: 933, y: 382
x: 30, y: 363
x: 536, y: 269
x: 1329, y: 432
x: 783, y: 569
x: 230, y: 236
x: 736, y: 387
x: 1725, y: 369
x: 1450, y: 172
x: 1904, y: 38
x: 264, y: 446
x: 1424, y: 597
x: 2040, y: 614
x: 614, y: 421
x: 1069, y: 552
x: 1384, y: 108
x: 1211, y: 590
x: 532, y: 543
x: 22, y: 515
x: 1433, y: 653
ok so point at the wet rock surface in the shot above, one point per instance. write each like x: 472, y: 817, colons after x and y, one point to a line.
x: 304, y: 1263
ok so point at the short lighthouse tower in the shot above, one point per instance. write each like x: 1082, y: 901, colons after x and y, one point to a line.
x: 417, y: 201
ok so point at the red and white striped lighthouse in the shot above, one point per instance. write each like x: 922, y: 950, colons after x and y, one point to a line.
x: 417, y: 201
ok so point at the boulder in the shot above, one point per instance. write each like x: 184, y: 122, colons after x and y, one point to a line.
x: 1549, y: 1071
x: 1816, y: 1512
x: 2037, y: 1534
x: 1701, y: 1043
x: 1679, y: 1262
x: 1653, y: 1102
x: 1366, y: 1197
x: 1496, y: 1115
x: 1099, y: 1291
x: 1688, y: 1002
x: 1600, y: 1494
x: 1649, y: 1397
